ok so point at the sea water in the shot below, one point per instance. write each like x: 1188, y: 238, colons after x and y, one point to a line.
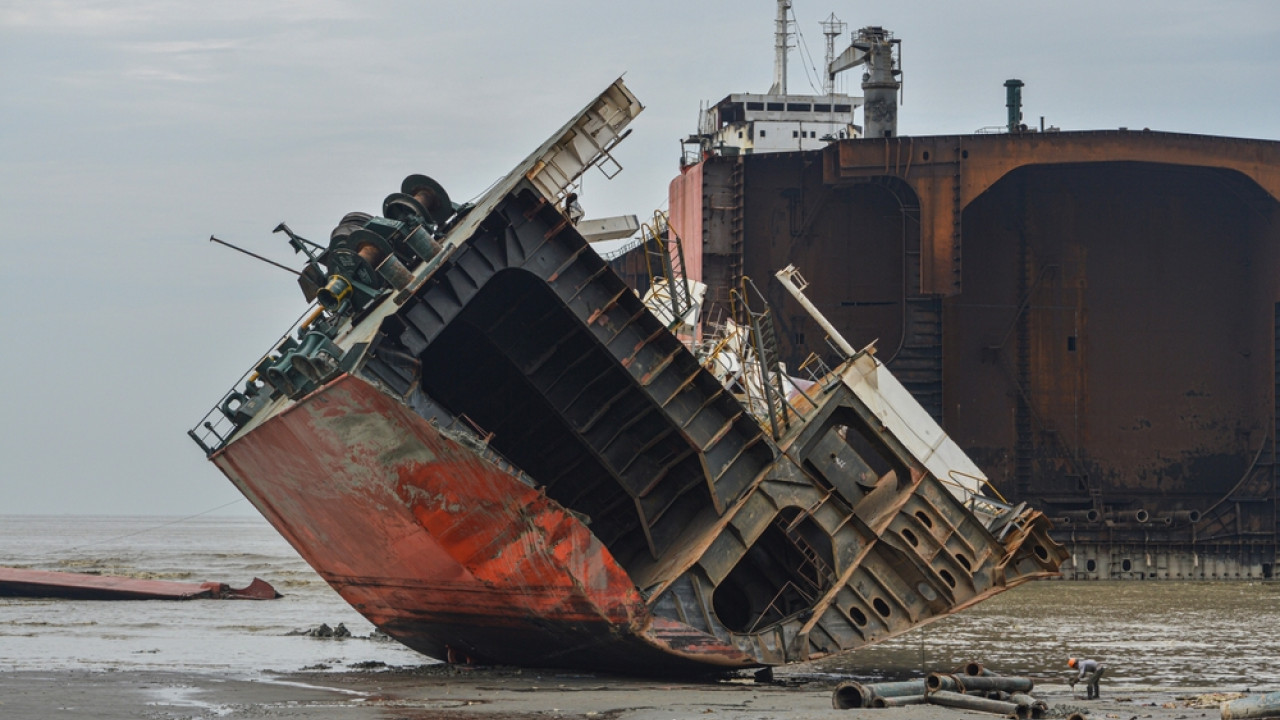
x: 1178, y: 635
x: 247, y: 636
x: 1152, y: 635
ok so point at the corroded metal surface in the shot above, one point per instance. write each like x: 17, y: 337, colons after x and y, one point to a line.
x: 949, y: 172
x: 502, y: 455
x: 436, y: 544
x: 1091, y: 315
x: 541, y: 474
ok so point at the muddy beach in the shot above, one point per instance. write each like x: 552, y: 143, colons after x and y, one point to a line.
x: 215, y: 659
x: 447, y: 693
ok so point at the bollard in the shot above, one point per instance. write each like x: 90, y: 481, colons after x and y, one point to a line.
x: 394, y: 272
x: 1253, y: 706
x: 970, y: 702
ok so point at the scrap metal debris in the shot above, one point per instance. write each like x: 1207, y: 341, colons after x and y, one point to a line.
x: 973, y: 687
x: 23, y: 582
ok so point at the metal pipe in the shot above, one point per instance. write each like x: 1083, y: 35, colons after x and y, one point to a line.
x: 1253, y: 706
x: 1087, y: 516
x: 850, y: 694
x: 897, y: 689
x: 974, y: 668
x: 943, y: 681
x: 1188, y: 516
x: 887, y: 702
x: 314, y: 316
x: 1004, y: 684
x: 970, y: 702
x: 790, y: 278
x: 255, y: 256
x: 1138, y: 516
x: 1039, y: 708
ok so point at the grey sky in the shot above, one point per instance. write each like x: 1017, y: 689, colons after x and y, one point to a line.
x: 130, y: 130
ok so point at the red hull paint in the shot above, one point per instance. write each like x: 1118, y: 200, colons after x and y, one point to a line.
x: 443, y: 549
x: 18, y: 582
x: 684, y: 198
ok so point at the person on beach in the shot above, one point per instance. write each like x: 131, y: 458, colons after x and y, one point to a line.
x: 1091, y: 672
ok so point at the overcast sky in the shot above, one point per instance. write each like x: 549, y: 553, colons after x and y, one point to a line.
x: 131, y: 130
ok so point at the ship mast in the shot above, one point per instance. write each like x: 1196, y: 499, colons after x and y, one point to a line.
x: 832, y: 28
x: 782, y: 44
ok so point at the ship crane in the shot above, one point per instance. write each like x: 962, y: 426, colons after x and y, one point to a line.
x: 874, y: 47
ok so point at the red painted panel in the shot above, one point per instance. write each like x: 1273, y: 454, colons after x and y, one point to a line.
x: 439, y: 547
x: 684, y: 203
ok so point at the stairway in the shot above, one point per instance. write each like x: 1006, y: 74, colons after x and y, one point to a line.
x: 918, y: 365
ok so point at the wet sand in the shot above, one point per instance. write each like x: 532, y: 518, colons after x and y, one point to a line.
x: 451, y: 693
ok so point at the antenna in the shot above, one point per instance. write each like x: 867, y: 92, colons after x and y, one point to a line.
x: 253, y: 255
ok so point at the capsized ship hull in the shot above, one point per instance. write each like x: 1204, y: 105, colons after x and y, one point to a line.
x: 514, y: 461
x: 439, y: 545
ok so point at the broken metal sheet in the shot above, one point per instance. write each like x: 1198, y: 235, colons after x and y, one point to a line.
x: 618, y: 227
x: 23, y: 582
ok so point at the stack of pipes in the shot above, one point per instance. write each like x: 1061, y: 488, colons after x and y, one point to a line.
x: 972, y: 687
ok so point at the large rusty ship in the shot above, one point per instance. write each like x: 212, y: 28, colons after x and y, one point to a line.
x: 1094, y: 316
x: 496, y: 451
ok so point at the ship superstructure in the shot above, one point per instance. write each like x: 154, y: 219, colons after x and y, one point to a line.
x: 780, y: 121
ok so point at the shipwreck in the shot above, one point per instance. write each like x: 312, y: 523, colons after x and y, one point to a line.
x: 497, y: 452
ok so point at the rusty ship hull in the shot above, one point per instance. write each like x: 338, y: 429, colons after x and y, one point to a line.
x: 441, y: 547
x: 1094, y: 316
x: 502, y: 455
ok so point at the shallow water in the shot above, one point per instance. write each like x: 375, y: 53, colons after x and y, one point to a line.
x: 1150, y: 634
x: 185, y: 635
x: 1219, y: 635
